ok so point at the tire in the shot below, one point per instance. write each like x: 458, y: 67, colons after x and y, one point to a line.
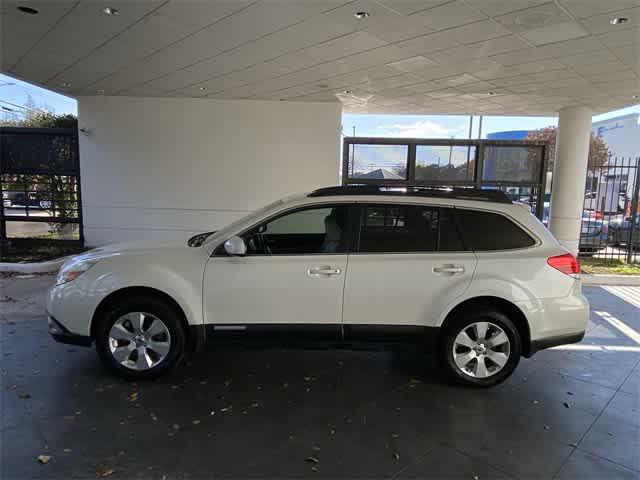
x: 452, y: 351
x: 120, y: 339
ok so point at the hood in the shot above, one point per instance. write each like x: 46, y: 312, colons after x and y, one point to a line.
x: 132, y: 247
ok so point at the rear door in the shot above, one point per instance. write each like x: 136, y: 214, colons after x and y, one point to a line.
x: 408, y: 264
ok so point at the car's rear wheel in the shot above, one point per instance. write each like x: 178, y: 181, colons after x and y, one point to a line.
x: 481, y: 348
x: 140, y: 338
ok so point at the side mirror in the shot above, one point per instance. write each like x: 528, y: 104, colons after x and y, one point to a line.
x: 235, y: 247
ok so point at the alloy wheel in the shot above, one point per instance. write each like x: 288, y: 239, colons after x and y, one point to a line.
x: 139, y: 341
x: 481, y: 349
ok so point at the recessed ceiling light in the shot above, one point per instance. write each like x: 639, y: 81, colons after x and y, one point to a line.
x: 65, y: 84
x: 618, y: 20
x: 111, y: 11
x: 202, y: 89
x: 361, y: 15
x: 28, y: 10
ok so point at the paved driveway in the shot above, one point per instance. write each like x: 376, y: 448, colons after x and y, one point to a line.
x: 566, y: 413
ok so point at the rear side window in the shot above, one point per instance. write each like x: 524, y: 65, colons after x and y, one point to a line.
x: 485, y: 231
x: 408, y: 228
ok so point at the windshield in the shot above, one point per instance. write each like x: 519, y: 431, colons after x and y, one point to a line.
x: 249, y: 218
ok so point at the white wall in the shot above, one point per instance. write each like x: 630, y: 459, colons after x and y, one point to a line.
x: 157, y: 168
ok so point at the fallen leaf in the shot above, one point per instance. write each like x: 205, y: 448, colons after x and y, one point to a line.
x: 394, y: 435
x: 535, y: 402
x: 566, y: 405
x: 312, y: 460
x: 316, y: 448
x: 314, y: 468
x: 176, y: 426
x: 569, y: 393
x: 255, y: 404
x: 226, y: 409
x: 213, y: 412
x: 396, y: 456
x: 44, y: 459
x: 107, y: 472
x: 67, y: 450
x: 307, y: 379
x: 196, y: 422
x: 547, y: 427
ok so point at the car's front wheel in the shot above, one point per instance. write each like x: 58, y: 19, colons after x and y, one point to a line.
x: 481, y: 348
x: 140, y: 338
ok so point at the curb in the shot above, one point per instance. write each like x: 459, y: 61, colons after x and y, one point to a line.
x: 603, y: 279
x: 40, y: 267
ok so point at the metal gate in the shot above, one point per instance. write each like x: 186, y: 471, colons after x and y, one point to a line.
x: 517, y: 167
x: 40, y: 186
x: 611, y: 214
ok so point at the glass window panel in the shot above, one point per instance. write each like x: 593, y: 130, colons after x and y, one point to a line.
x: 512, y: 163
x: 378, y: 162
x: 442, y: 162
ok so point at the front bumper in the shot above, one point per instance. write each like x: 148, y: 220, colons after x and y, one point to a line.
x: 62, y: 335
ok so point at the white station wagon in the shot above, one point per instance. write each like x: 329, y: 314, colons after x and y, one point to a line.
x: 464, y: 272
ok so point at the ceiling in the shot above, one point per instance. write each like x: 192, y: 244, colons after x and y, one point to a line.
x: 519, y: 57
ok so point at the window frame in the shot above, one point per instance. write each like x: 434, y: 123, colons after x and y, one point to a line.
x: 219, y: 251
x: 359, y: 219
x: 536, y: 240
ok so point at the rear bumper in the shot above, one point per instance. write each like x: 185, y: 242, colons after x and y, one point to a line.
x: 62, y: 335
x: 543, y: 343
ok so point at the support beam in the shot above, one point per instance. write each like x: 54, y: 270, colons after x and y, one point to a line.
x: 569, y: 175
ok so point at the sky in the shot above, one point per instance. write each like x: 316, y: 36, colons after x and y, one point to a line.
x: 14, y: 94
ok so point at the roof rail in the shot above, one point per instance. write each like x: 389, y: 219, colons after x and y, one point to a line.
x: 463, y: 193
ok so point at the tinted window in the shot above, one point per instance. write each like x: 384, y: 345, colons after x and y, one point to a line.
x: 407, y: 228
x: 491, y: 231
x: 311, y: 231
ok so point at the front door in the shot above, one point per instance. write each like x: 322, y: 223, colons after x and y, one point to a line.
x: 409, y: 264
x: 291, y: 280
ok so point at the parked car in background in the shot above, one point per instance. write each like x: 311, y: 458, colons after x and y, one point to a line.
x: 466, y: 273
x: 594, y: 234
x: 620, y: 229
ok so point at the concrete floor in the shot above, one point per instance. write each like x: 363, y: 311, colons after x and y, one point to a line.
x: 566, y: 413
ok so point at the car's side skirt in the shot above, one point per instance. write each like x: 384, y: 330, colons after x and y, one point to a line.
x: 352, y: 336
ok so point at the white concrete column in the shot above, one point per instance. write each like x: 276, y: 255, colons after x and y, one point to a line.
x: 569, y: 174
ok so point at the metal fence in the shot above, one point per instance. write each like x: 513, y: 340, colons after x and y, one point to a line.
x: 517, y: 167
x: 40, y: 186
x: 611, y: 214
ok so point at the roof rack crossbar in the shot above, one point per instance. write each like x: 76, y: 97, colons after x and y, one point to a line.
x: 464, y: 193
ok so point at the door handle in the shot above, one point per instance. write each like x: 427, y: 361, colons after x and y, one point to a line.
x: 449, y: 269
x: 324, y: 271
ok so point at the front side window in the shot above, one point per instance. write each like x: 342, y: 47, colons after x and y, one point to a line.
x: 317, y: 230
x: 408, y: 228
x: 487, y: 231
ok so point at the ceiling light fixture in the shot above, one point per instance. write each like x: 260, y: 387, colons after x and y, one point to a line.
x: 111, y: 11
x: 28, y: 10
x: 361, y: 15
x: 618, y: 20
x: 202, y: 89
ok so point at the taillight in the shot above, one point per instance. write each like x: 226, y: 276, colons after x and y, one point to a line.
x: 567, y: 264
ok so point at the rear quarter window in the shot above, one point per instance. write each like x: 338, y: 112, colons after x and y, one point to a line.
x: 486, y: 231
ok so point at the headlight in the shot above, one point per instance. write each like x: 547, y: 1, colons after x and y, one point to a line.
x: 73, y: 270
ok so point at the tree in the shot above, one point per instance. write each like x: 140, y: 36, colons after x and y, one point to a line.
x: 43, y: 119
x: 598, y: 150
